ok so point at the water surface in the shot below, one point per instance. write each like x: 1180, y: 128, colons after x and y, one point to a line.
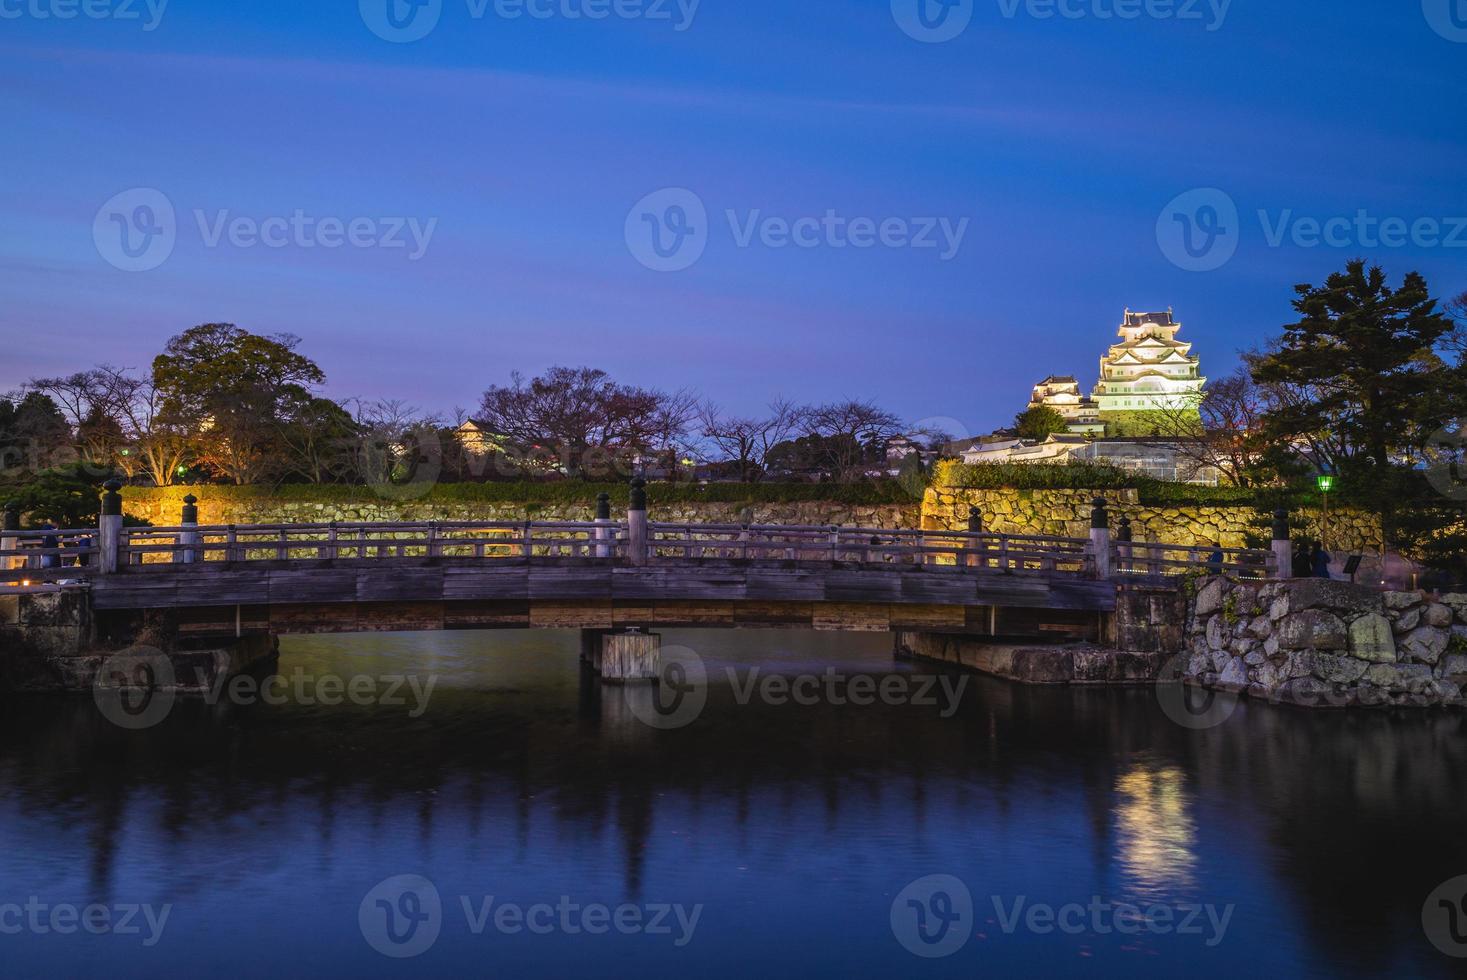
x: 793, y: 827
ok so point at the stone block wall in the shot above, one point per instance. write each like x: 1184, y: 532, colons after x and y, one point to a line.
x: 1321, y: 643
x: 162, y: 508
x: 1066, y: 513
x: 37, y: 632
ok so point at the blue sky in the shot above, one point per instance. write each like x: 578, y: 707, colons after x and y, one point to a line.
x: 525, y: 143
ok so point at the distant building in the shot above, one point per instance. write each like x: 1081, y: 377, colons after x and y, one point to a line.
x: 1158, y: 459
x: 1149, y: 370
x: 1062, y: 393
x: 477, y: 440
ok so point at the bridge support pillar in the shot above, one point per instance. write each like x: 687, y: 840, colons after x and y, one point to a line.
x: 622, y: 657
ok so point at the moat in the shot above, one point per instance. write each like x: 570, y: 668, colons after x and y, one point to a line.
x: 763, y: 833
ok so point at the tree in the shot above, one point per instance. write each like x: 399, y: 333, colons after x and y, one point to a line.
x: 747, y: 442
x: 1357, y: 371
x: 594, y: 422
x: 88, y: 401
x: 1358, y: 383
x: 34, y: 435
x: 850, y: 434
x: 155, y: 443
x: 67, y: 496
x: 320, y: 438
x: 236, y: 390
x: 1039, y: 422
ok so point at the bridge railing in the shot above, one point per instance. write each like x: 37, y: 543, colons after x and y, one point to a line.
x: 341, y: 541
x: 32, y: 558
x: 878, y: 545
x: 1157, y: 559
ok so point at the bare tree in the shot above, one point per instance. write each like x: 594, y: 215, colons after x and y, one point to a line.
x: 848, y: 432
x: 589, y: 417
x: 747, y: 441
x: 157, y: 444
x: 1220, y: 428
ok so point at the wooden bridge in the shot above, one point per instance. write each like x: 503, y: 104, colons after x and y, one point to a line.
x: 600, y: 574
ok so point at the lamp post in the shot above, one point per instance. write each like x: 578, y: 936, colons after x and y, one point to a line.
x: 1325, y: 483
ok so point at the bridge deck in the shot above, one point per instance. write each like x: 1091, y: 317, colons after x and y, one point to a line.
x: 448, y: 593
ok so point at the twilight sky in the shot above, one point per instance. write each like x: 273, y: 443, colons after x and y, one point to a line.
x: 1056, y: 146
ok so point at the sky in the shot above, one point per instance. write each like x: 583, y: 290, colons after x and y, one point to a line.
x: 931, y: 207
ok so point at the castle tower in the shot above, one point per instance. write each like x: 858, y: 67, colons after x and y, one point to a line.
x: 1149, y: 370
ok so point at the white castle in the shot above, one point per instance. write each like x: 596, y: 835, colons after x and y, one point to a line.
x: 1149, y: 370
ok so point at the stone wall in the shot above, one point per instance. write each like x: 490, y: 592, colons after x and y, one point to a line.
x: 162, y: 507
x: 1066, y: 513
x: 1322, y: 643
x: 37, y: 632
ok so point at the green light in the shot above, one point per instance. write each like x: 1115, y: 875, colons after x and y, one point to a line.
x: 182, y: 470
x: 1326, y: 483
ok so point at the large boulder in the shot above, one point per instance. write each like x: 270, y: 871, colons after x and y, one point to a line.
x: 1338, y: 670
x: 1424, y: 645
x: 1313, y: 629
x: 1396, y: 601
x: 1210, y: 596
x: 1371, y: 639
x: 1457, y: 602
x: 1234, y: 676
x: 1324, y: 593
x: 1438, y: 614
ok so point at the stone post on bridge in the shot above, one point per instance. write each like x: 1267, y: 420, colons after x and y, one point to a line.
x: 109, y: 528
x: 603, y: 533
x: 1100, y: 537
x: 9, y: 538
x: 637, y: 523
x: 189, y: 540
x: 1283, y: 552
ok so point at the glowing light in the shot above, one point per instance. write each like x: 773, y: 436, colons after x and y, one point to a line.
x: 1325, y: 483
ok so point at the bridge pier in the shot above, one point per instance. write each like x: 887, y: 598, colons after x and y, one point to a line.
x: 622, y: 657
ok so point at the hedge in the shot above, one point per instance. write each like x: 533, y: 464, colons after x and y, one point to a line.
x: 1085, y: 476
x: 568, y: 492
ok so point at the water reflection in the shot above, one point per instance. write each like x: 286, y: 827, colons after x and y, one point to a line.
x: 1156, y: 837
x: 795, y: 825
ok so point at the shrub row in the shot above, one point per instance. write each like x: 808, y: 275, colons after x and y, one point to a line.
x: 548, y: 494
x: 1086, y: 476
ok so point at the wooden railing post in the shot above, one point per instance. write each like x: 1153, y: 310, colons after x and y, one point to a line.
x: 1283, y: 552
x: 1123, y: 545
x: 1100, y: 537
x: 189, y: 540
x: 109, y: 529
x: 637, y: 523
x: 231, y: 543
x: 10, y: 534
x: 603, y: 532
x: 975, y: 526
